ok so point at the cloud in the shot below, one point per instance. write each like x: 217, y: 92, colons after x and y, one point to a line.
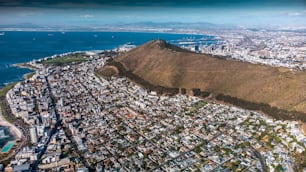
x: 300, y: 13
x: 87, y: 16
x: 149, y: 3
x: 294, y: 14
x: 28, y: 14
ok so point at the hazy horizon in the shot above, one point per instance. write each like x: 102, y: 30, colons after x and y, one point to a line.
x: 68, y: 13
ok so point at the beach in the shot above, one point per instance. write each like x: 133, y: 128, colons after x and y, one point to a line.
x: 15, y: 131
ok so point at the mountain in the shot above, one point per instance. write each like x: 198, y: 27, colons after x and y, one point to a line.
x: 176, y: 25
x: 161, y: 63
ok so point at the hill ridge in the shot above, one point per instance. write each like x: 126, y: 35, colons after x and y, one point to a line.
x: 167, y: 65
x: 165, y: 45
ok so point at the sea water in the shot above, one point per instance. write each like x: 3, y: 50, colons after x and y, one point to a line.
x: 22, y: 46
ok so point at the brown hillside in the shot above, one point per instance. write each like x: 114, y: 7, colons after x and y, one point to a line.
x: 167, y: 65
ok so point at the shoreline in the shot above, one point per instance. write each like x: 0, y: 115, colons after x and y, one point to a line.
x: 25, y: 66
x: 15, y: 131
x: 24, y: 76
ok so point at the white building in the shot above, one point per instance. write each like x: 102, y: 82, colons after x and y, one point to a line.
x: 33, y: 134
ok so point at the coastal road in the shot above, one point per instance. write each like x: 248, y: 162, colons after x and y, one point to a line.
x: 16, y: 132
x: 16, y: 129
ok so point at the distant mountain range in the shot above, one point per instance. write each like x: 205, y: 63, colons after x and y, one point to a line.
x: 141, y: 26
x: 117, y: 26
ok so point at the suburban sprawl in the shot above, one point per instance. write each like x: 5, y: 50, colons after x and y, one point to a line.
x: 79, y: 121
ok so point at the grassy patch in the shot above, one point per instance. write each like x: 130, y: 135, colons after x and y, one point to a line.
x: 71, y: 58
x: 5, y: 89
x: 4, y: 114
x: 199, y: 104
x: 29, y: 75
x: 3, y: 92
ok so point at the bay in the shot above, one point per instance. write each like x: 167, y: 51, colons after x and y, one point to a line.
x: 24, y: 46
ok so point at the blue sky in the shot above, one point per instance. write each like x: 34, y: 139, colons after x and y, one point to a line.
x: 97, y: 13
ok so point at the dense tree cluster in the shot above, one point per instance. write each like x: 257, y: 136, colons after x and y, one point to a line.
x: 265, y: 108
x: 197, y: 92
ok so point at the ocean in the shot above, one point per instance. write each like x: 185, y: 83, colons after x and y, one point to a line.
x: 24, y: 46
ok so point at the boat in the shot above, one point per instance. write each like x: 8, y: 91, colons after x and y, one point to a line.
x: 2, y: 33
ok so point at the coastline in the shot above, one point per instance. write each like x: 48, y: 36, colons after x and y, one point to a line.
x: 20, y: 135
x: 25, y: 65
x: 15, y: 131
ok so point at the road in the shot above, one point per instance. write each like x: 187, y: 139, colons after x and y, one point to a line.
x: 18, y: 129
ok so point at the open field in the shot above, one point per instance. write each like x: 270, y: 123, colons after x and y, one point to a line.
x: 71, y: 58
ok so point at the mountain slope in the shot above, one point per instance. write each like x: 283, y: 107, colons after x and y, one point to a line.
x: 167, y: 65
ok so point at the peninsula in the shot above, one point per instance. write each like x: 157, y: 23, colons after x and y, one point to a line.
x: 79, y: 121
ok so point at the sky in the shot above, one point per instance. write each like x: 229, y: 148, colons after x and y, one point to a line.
x: 65, y: 13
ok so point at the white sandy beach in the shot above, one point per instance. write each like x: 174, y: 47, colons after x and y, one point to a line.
x: 16, y: 132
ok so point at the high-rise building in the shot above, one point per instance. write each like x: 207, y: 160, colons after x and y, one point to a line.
x: 33, y: 134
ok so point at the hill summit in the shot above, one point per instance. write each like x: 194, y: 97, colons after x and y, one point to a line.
x: 164, y: 64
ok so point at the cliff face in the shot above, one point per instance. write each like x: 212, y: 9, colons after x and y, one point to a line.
x: 164, y: 64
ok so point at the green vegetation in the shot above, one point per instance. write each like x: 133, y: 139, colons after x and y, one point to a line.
x: 5, y: 89
x: 278, y: 168
x: 265, y: 108
x: 227, y: 151
x: 71, y: 58
x: 4, y: 114
x: 235, y: 164
x: 199, y: 104
x: 29, y: 75
x: 197, y: 149
x: 179, y: 129
x: 3, y: 92
x: 277, y: 139
x: 197, y: 92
